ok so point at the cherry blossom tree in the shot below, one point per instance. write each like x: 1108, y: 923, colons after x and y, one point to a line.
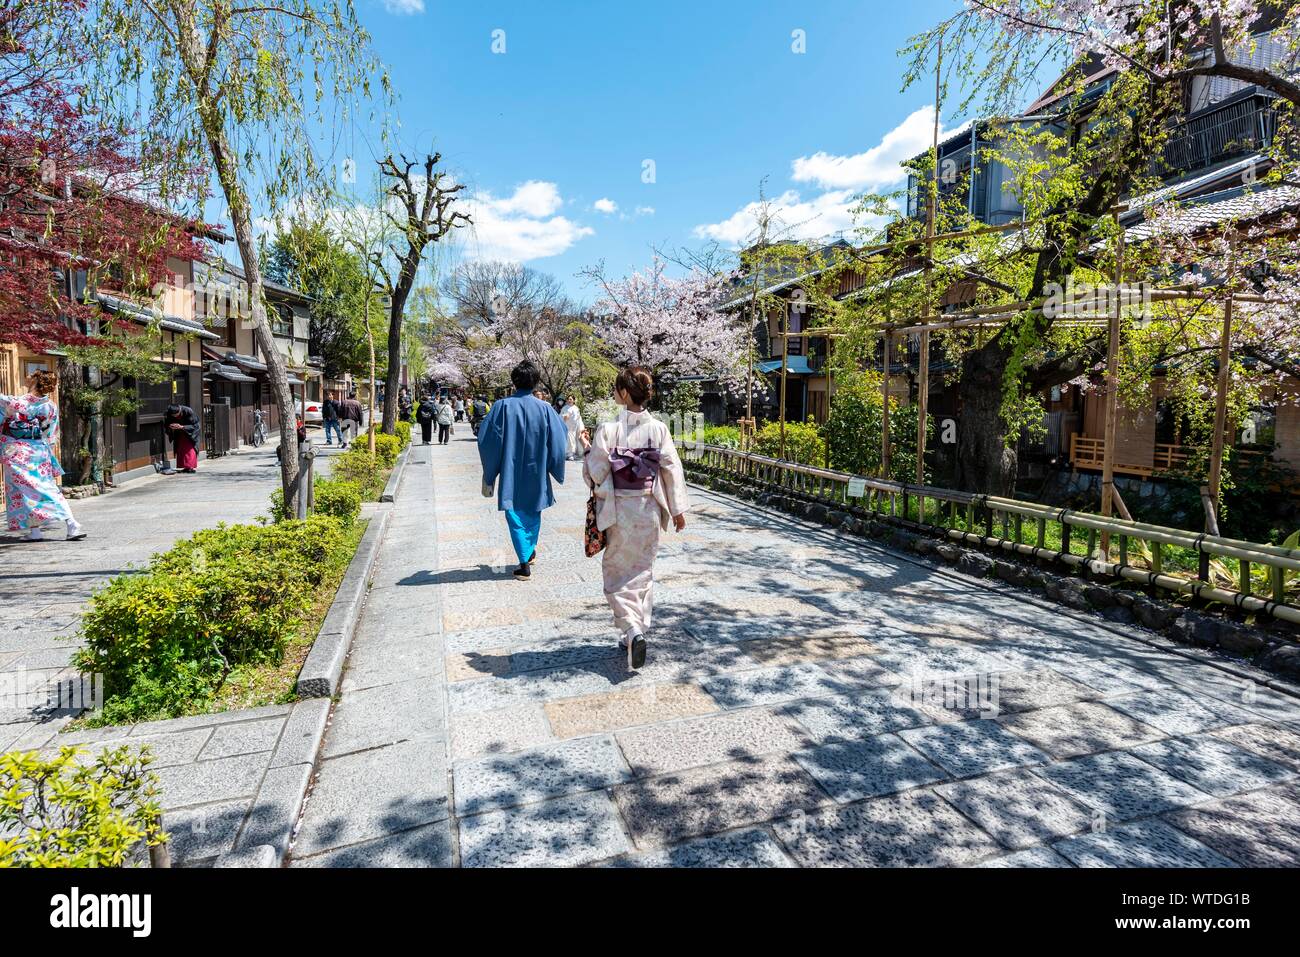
x: 672, y: 325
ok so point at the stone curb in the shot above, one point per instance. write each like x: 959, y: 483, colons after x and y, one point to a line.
x: 321, y: 672
x: 395, y: 479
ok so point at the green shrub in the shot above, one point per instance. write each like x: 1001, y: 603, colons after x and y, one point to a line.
x: 387, y: 448
x: 725, y: 436
x: 339, y: 499
x: 357, y: 466
x: 403, y: 434
x: 803, y: 443
x: 62, y: 811
x: 166, y: 639
x: 683, y: 399
x: 854, y: 426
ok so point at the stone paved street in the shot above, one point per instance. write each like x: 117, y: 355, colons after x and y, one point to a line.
x: 809, y: 699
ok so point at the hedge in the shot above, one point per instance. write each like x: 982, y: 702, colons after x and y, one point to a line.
x: 167, y: 638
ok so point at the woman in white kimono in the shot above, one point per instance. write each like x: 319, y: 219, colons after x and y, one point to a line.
x: 572, y: 417
x: 633, y: 468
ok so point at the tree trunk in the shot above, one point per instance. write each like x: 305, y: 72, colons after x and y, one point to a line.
x: 276, y: 369
x: 194, y: 58
x: 392, y: 381
x: 984, y: 462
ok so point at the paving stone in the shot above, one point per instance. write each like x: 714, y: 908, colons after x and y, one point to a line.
x: 1111, y: 678
x: 767, y: 685
x: 372, y: 664
x: 526, y: 777
x: 501, y: 636
x: 477, y: 733
x: 1072, y: 730
x: 387, y: 714
x: 853, y: 770
x: 1120, y: 786
x: 199, y: 833
x: 972, y: 747
x: 1030, y: 857
x: 1179, y: 712
x: 481, y: 618
x: 471, y: 665
x: 537, y: 686
x: 303, y: 732
x: 1279, y: 744
x: 752, y: 847
x: 1017, y: 808
x: 246, y: 737
x: 567, y: 832
x: 906, y: 830
x: 274, y: 811
x: 792, y: 649
x: 731, y: 736
x: 718, y: 797
x: 615, y: 710
x: 1212, y: 765
x: 374, y: 793
x: 208, y: 781
x: 211, y: 720
x: 167, y: 749
x: 1260, y: 829
x: 866, y: 714
x: 428, y: 846
x: 1139, y: 844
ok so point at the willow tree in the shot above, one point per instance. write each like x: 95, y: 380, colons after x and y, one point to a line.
x: 993, y: 52
x: 238, y: 87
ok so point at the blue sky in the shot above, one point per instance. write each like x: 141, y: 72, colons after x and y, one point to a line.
x: 552, y: 135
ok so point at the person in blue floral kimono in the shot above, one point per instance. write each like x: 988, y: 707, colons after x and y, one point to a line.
x: 28, y: 424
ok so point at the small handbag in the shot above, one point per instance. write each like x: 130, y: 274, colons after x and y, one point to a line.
x: 593, y: 539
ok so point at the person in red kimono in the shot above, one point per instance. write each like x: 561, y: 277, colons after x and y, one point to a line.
x: 182, y: 427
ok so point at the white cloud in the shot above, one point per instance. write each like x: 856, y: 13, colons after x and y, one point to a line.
x: 841, y: 180
x: 522, y: 226
x: 605, y: 205
x: 404, y: 7
x: 876, y: 168
x: 645, y: 210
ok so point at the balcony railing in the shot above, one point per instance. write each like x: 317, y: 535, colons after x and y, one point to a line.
x: 1232, y: 130
x: 1087, y: 452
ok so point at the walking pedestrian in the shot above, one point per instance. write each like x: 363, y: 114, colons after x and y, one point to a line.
x: 632, y: 467
x: 459, y: 407
x: 353, y: 416
x: 28, y: 424
x: 330, y: 415
x: 572, y: 416
x: 425, y: 414
x: 182, y: 427
x: 521, y: 448
x: 445, y: 418
x: 404, y: 404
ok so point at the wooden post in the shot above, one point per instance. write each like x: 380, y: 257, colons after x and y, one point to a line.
x: 884, y: 411
x: 1220, y: 419
x: 931, y: 209
x: 785, y: 362
x: 830, y: 389
x: 1112, y: 393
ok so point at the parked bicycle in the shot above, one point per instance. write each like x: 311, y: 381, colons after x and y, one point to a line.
x: 259, y: 428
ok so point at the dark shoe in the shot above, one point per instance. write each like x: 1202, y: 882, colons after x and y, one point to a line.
x: 533, y: 557
x: 523, y: 572
x: 636, y: 652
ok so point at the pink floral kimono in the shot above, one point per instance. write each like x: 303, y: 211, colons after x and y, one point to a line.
x: 28, y: 424
x: 632, y: 517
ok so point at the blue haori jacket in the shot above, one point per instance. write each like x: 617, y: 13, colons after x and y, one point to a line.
x: 522, y: 444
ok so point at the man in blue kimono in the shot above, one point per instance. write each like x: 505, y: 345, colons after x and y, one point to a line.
x: 521, y: 444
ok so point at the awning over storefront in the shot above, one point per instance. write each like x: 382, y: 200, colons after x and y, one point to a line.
x: 219, y: 370
x: 140, y: 314
x: 798, y: 365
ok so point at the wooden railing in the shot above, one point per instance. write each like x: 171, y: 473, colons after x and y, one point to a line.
x: 1023, y: 528
x: 1087, y: 452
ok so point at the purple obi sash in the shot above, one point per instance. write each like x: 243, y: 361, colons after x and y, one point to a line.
x: 634, y: 469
